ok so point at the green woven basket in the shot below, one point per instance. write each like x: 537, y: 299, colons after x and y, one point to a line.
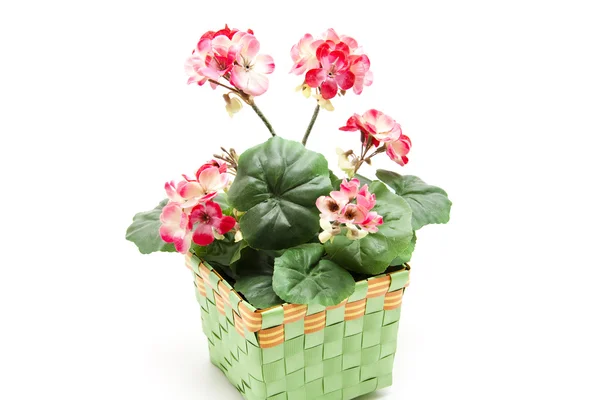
x: 299, y: 352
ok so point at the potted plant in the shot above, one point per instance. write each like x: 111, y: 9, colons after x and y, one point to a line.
x: 299, y: 274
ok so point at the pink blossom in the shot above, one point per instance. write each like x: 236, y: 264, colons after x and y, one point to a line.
x: 250, y: 70
x: 208, y: 221
x: 398, y: 149
x: 350, y: 71
x: 375, y: 125
x: 366, y: 198
x: 347, y: 192
x: 209, y: 179
x: 231, y: 55
x: 359, y: 66
x: 371, y: 222
x: 173, y: 189
x: 304, y: 54
x: 208, y: 182
x: 330, y: 208
x: 353, y: 213
x: 349, y: 206
x: 176, y: 227
x: 334, y: 70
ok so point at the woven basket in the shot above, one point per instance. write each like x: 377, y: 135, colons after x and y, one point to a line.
x: 299, y: 352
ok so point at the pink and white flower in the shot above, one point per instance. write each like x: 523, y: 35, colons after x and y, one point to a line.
x: 209, y: 222
x: 333, y: 72
x: 330, y: 208
x: 371, y: 222
x: 231, y: 55
x: 176, y: 227
x: 304, y: 54
x: 375, y: 125
x: 350, y: 206
x: 365, y: 198
x: 353, y: 214
x: 348, y: 191
x: 250, y: 70
x: 210, y: 178
x: 312, y: 56
x: 398, y: 149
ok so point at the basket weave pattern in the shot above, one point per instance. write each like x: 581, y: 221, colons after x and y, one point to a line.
x: 299, y: 352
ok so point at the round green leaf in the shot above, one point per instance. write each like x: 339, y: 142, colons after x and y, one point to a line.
x: 373, y: 254
x: 144, y: 231
x: 302, y: 277
x: 406, y: 255
x: 255, y: 278
x: 429, y: 204
x: 277, y: 184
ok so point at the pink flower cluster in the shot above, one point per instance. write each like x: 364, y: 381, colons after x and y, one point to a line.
x: 331, y: 62
x: 232, y: 55
x: 376, y: 127
x: 191, y: 214
x: 352, y: 205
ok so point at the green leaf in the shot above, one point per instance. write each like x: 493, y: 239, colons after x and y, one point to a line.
x: 429, y: 204
x: 302, y: 277
x: 373, y: 254
x: 335, y: 181
x: 406, y: 255
x: 144, y: 231
x: 255, y: 278
x: 221, y: 200
x: 277, y: 184
x: 224, y: 252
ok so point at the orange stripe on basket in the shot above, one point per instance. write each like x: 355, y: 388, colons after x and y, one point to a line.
x: 224, y: 291
x: 204, y: 272
x: 355, y: 310
x: 293, y: 312
x: 239, y: 324
x: 393, y: 300
x: 271, y: 337
x: 314, y: 323
x: 252, y: 320
x: 200, y: 285
x: 219, y: 303
x: 378, y: 287
x: 188, y: 261
x: 343, y: 303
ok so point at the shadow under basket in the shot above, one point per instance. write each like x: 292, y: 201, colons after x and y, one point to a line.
x: 299, y: 352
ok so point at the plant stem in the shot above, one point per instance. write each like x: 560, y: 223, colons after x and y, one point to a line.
x: 229, y: 88
x: 262, y: 116
x: 311, y: 124
x: 250, y: 101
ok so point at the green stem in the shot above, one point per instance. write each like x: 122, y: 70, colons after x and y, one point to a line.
x: 250, y: 101
x: 311, y: 124
x: 262, y: 116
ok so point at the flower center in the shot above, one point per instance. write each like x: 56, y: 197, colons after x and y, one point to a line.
x: 205, y: 218
x: 333, y: 206
x: 350, y: 213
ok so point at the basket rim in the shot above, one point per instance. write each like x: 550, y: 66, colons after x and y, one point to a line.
x: 402, y: 269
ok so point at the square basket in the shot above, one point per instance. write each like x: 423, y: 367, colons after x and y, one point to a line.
x: 299, y: 352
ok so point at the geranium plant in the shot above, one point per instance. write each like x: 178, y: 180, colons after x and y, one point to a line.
x: 275, y: 221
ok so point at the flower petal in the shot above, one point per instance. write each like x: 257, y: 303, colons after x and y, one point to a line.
x: 264, y: 64
x: 314, y: 77
x: 225, y: 224
x: 329, y: 89
x: 203, y: 235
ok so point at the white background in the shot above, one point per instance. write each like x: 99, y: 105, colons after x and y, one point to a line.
x: 500, y: 98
